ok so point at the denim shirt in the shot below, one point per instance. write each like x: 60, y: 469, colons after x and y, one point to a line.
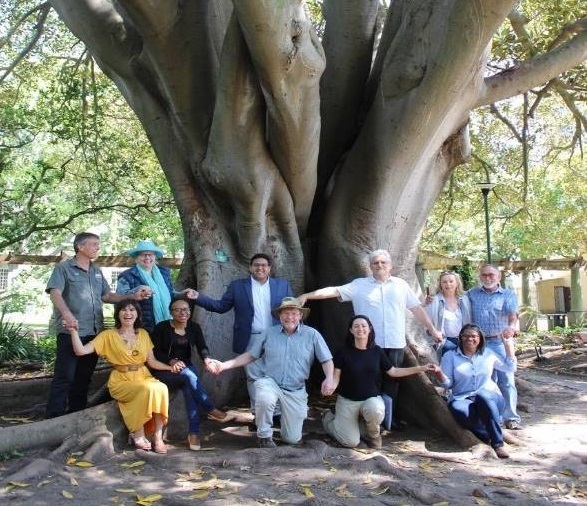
x: 288, y: 359
x: 468, y: 375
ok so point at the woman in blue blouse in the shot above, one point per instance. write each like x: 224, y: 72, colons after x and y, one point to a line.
x: 476, y: 401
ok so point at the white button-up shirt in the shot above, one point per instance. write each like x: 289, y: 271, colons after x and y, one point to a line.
x: 262, y: 318
x: 385, y: 304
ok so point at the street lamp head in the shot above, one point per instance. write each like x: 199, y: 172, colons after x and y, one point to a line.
x: 485, y: 187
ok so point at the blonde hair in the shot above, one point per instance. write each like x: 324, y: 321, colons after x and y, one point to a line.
x: 460, y: 290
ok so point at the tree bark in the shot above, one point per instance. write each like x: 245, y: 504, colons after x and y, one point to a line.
x: 231, y: 97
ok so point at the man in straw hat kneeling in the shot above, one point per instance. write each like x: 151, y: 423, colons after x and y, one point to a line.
x: 285, y: 352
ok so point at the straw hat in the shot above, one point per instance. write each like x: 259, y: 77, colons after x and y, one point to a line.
x: 291, y: 303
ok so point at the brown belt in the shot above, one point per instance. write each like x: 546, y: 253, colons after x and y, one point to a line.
x: 127, y: 368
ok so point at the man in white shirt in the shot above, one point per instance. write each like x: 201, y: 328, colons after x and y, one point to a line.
x: 383, y: 298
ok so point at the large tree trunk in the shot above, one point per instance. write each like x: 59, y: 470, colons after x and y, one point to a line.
x: 263, y: 155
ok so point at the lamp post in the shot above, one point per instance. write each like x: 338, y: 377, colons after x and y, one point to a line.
x: 485, y: 187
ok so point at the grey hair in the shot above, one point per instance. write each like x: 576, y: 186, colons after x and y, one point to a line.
x: 379, y: 253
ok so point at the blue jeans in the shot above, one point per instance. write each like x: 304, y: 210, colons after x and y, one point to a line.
x: 193, y: 394
x: 506, y: 383
x: 71, y: 378
x: 480, y: 414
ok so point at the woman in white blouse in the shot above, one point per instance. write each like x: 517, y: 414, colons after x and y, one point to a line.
x: 449, y: 310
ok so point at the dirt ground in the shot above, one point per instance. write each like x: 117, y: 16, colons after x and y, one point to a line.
x: 548, y: 461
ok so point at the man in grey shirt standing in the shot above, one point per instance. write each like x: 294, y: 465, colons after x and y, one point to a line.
x: 285, y: 354
x: 77, y: 289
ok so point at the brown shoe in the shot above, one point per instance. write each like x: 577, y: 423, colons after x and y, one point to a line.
x: 194, y: 442
x: 374, y: 442
x: 501, y: 452
x: 217, y: 415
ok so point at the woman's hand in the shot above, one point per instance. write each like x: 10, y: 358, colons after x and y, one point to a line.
x: 176, y: 366
x: 432, y: 368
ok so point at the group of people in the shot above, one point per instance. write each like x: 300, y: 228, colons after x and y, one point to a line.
x: 278, y: 349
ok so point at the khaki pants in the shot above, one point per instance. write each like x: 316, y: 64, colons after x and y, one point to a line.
x: 294, y: 410
x: 354, y: 419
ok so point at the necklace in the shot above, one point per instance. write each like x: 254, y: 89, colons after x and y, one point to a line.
x: 130, y: 342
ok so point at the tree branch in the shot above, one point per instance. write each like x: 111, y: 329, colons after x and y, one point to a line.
x: 43, y: 12
x: 35, y: 228
x: 535, y: 71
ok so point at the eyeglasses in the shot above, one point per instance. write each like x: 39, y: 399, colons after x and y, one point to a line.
x: 181, y: 310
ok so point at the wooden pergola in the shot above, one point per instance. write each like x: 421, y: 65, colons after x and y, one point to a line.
x: 426, y: 260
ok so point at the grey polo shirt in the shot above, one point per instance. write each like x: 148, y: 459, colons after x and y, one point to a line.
x: 82, y: 291
x: 288, y: 359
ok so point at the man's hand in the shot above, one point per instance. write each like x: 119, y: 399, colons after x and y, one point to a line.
x: 327, y: 387
x: 190, y: 293
x: 508, y: 332
x: 213, y: 366
x: 302, y: 299
x: 142, y: 292
x: 69, y: 321
x: 436, y: 335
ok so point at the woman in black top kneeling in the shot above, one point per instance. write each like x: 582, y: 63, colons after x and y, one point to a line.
x: 358, y: 370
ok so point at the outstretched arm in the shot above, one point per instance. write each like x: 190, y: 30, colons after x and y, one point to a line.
x: 329, y: 292
x: 400, y: 372
x: 216, y: 366
x: 78, y: 347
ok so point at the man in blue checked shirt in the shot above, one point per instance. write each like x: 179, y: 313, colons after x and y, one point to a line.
x: 495, y: 310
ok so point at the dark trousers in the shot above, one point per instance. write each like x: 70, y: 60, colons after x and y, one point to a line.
x: 391, y: 385
x: 71, y: 378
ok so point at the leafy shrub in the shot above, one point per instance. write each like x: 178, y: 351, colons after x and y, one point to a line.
x: 17, y: 343
x: 15, y: 340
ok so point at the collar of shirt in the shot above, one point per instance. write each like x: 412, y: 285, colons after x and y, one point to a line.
x: 499, y: 289
x: 296, y: 331
x: 372, y: 279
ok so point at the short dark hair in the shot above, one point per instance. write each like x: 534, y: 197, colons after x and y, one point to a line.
x: 184, y: 299
x: 260, y: 255
x: 476, y: 328
x: 82, y: 237
x: 350, y: 339
x: 120, y: 305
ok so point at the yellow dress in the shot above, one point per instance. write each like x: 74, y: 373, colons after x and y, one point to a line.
x: 139, y: 395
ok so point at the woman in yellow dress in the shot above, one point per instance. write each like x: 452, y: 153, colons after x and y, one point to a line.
x: 143, y: 400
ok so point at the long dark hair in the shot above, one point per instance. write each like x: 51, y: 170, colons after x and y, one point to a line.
x: 350, y: 339
x: 119, y: 306
x: 471, y: 326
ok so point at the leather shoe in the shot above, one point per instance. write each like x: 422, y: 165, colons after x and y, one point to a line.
x: 374, y: 442
x: 217, y: 415
x: 512, y: 425
x: 501, y: 452
x: 266, y: 442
